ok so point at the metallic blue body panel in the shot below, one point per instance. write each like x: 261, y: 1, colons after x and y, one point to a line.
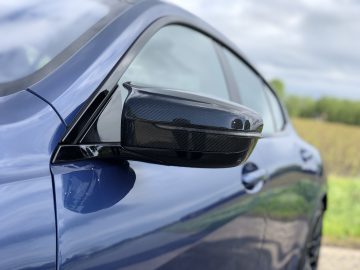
x: 291, y: 196
x: 29, y: 132
x: 168, y: 211
x: 134, y: 215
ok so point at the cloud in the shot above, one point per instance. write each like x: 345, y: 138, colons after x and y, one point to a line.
x: 312, y: 45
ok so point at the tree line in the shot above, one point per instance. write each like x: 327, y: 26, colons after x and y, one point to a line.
x: 326, y: 108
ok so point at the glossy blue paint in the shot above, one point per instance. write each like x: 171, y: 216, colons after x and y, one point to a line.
x: 29, y: 132
x: 168, y: 211
x: 291, y: 196
x: 134, y: 215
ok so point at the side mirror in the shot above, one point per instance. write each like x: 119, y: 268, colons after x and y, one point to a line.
x: 174, y: 128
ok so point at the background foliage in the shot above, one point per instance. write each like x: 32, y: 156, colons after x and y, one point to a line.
x: 326, y: 108
x: 339, y: 144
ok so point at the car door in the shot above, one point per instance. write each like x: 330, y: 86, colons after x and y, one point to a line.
x: 290, y: 192
x: 294, y: 195
x: 123, y: 214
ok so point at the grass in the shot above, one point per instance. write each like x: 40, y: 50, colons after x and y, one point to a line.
x: 342, y: 220
x: 339, y: 144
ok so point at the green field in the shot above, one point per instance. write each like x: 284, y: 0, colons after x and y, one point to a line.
x: 340, y: 148
x: 342, y: 220
x: 339, y: 144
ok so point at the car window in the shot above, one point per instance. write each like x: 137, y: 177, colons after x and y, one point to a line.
x: 178, y: 57
x: 276, y: 109
x: 251, y: 90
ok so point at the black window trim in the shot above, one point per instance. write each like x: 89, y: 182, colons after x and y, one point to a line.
x: 227, y: 73
x: 266, y: 89
x: 110, y: 83
x: 264, y: 84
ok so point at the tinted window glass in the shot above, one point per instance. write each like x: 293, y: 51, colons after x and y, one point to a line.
x: 276, y: 109
x: 33, y: 32
x: 177, y: 57
x: 251, y: 90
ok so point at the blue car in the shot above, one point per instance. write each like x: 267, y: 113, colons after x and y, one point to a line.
x: 135, y: 136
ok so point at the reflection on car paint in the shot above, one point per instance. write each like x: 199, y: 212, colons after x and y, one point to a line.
x: 169, y: 210
x: 28, y: 135
x: 89, y: 190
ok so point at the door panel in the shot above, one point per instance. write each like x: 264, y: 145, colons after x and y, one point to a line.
x: 289, y: 194
x: 289, y: 197
x: 144, y: 216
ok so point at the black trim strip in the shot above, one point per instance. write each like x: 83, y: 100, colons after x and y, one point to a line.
x: 57, y: 249
x: 87, y: 117
x: 228, y: 74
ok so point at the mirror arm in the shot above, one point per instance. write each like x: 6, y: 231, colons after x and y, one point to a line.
x: 68, y: 153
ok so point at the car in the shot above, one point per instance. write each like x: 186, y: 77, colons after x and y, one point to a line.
x: 135, y: 136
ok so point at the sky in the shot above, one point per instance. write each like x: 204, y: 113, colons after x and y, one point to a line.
x: 313, y: 46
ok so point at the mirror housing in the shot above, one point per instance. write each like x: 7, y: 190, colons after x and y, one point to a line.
x: 176, y: 128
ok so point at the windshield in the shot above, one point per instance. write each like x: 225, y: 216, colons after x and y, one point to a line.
x: 33, y: 32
